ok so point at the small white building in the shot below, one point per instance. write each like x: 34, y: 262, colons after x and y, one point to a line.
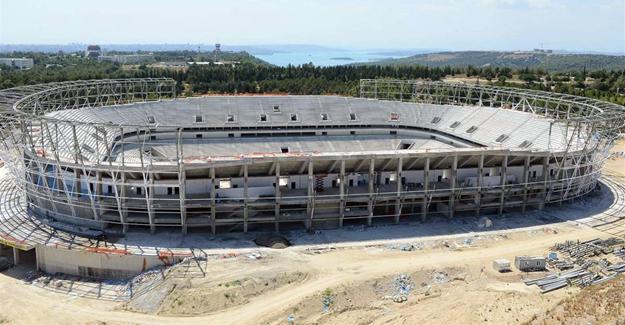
x: 530, y: 263
x: 501, y: 265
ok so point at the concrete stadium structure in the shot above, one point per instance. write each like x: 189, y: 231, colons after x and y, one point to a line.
x: 114, y: 154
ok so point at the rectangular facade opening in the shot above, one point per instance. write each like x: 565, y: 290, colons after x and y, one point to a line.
x: 151, y: 119
x: 263, y: 117
x: 230, y: 118
x: 394, y: 117
x: 405, y: 145
x: 276, y: 108
x: 352, y: 116
x: 293, y: 117
x: 225, y: 183
x: 199, y: 119
x: 198, y: 136
x: 324, y: 116
x: 284, y: 149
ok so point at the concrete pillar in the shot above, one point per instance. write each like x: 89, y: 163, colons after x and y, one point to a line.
x: 182, y: 178
x: 371, y: 191
x: 546, y: 178
x: 398, y: 207
x: 526, y: 171
x: 503, y: 182
x: 277, y: 198
x: 480, y: 183
x: 16, y: 256
x: 150, y: 197
x: 123, y: 193
x: 213, y: 217
x: 452, y: 183
x: 245, y: 199
x: 426, y: 187
x: 342, y: 193
x: 311, y: 196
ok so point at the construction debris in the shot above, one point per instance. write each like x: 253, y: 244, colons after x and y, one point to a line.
x: 584, y: 266
x: 485, y: 222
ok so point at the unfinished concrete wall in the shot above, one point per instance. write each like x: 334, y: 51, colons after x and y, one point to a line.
x: 111, y: 265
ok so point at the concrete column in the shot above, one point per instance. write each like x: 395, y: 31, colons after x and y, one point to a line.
x: 342, y: 193
x: 123, y: 190
x: 16, y: 256
x: 213, y: 217
x: 452, y: 183
x: 98, y: 193
x: 503, y: 182
x: 426, y: 187
x: 400, y: 163
x: 480, y: 182
x: 526, y: 171
x: 311, y: 196
x: 371, y: 191
x: 150, y: 197
x: 246, y: 212
x: 182, y: 178
x: 277, y: 195
x: 546, y: 178
x: 123, y: 193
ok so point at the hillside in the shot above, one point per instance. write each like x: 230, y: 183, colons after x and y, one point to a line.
x: 515, y: 60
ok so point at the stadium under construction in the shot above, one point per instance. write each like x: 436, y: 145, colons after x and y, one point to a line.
x: 113, y: 155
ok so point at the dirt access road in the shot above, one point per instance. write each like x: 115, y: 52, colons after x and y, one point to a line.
x: 26, y: 304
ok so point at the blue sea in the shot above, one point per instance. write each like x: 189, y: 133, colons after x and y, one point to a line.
x: 322, y: 58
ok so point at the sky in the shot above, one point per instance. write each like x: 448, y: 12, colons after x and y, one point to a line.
x: 574, y: 25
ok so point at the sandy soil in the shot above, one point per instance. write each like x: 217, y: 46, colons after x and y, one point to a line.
x: 335, y: 269
x: 357, y: 278
x: 603, y: 304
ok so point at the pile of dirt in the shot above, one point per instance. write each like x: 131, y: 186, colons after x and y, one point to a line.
x: 210, y: 297
x: 272, y: 241
x: 601, y: 304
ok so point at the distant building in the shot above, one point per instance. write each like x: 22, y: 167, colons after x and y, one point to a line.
x: 217, y: 51
x: 170, y: 65
x: 128, y: 58
x: 93, y: 51
x: 19, y: 63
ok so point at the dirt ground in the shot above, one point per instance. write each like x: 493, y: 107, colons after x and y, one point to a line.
x: 447, y: 284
